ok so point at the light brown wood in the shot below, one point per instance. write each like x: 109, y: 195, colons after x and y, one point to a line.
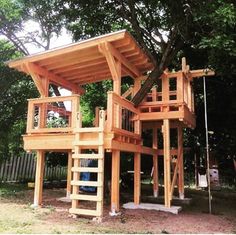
x: 155, y: 164
x: 180, y: 163
x: 115, y: 181
x: 69, y: 165
x: 167, y: 176
x: 38, y: 191
x: 137, y: 178
x: 112, y: 56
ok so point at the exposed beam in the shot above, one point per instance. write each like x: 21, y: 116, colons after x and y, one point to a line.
x: 35, y: 69
x: 201, y: 72
x: 110, y: 60
x: 123, y: 59
x: 36, y: 78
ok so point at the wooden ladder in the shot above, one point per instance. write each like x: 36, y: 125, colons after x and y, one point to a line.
x: 81, y: 142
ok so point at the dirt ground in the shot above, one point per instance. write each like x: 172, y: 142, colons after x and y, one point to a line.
x: 16, y: 216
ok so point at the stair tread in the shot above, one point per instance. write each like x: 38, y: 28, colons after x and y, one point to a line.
x: 86, y: 197
x: 86, y: 169
x: 84, y: 212
x: 86, y: 183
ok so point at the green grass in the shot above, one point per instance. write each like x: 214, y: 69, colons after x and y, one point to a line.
x: 11, y: 190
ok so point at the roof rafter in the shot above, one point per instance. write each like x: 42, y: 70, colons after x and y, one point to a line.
x: 114, y: 52
x: 35, y: 69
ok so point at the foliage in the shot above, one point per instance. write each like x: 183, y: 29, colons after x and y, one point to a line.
x: 15, y: 88
x: 47, y: 16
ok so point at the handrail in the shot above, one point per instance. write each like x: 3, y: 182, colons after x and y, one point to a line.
x: 46, y: 116
x: 120, y: 112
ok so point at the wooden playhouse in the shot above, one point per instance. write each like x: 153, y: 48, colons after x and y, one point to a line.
x: 117, y: 129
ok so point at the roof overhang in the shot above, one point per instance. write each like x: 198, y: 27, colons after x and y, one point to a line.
x: 84, y: 62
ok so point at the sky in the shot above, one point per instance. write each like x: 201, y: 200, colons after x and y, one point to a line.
x: 64, y: 39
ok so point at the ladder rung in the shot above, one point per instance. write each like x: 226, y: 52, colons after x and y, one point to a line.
x: 88, y: 129
x: 86, y: 169
x: 87, y: 156
x: 84, y: 212
x: 86, y: 183
x: 85, y: 197
x: 88, y: 143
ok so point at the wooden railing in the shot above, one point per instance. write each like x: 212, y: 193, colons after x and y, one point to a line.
x: 122, y: 118
x: 52, y: 114
x: 176, y: 92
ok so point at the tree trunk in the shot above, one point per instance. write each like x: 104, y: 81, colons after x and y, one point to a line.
x: 150, y: 81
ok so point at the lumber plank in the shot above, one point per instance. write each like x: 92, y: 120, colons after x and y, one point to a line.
x: 88, y: 156
x: 84, y: 212
x: 85, y: 197
x: 87, y: 183
x: 38, y: 191
x: 115, y: 181
x: 86, y: 169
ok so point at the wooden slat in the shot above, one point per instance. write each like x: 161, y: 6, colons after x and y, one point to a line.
x: 87, y: 143
x: 86, y: 169
x: 86, y: 183
x: 84, y: 212
x: 85, y: 197
x: 88, y: 129
x: 87, y: 156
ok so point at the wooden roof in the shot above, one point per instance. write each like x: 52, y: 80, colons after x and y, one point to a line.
x: 83, y: 62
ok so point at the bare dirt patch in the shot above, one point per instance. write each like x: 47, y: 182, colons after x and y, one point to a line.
x: 16, y: 216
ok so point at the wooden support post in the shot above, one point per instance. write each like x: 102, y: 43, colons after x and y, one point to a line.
x: 38, y: 191
x: 137, y: 85
x: 115, y: 182
x: 69, y: 174
x: 167, y: 169
x: 180, y: 87
x: 96, y: 119
x: 155, y: 164
x: 137, y: 178
x: 181, y: 163
x: 137, y: 167
x: 165, y: 93
x: 117, y: 80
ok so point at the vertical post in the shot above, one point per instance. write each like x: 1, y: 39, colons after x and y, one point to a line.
x: 155, y: 163
x: 43, y: 106
x: 38, y: 191
x: 137, y: 85
x: 165, y: 89
x: 68, y: 187
x: 180, y: 87
x: 115, y: 182
x: 137, y: 167
x: 167, y: 176
x: 181, y: 163
x: 137, y: 178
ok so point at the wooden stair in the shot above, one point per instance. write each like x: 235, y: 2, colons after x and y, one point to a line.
x: 81, y: 143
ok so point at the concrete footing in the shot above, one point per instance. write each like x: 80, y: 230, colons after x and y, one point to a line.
x: 150, y: 206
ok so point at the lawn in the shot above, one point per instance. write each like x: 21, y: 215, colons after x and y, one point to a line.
x: 17, y: 216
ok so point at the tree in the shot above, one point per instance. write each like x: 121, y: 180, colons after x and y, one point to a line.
x: 161, y: 27
x: 16, y: 88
